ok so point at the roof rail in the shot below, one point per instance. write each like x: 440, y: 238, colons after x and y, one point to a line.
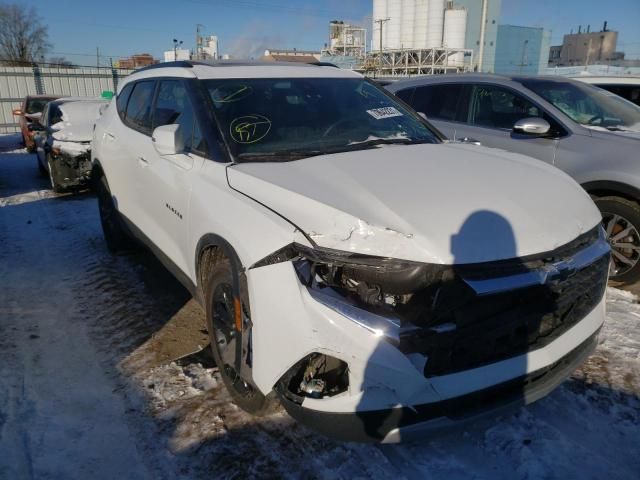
x: 177, y: 64
x: 323, y: 64
x: 231, y: 63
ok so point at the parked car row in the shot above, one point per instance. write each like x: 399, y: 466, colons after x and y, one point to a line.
x: 362, y: 256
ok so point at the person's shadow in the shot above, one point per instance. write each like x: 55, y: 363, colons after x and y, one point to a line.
x: 481, y: 329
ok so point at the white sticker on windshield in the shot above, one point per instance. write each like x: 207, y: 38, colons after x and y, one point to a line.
x: 384, y: 112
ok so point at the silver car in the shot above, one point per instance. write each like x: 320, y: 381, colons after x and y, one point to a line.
x: 591, y: 134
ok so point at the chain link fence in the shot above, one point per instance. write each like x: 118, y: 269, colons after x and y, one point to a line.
x: 18, y: 82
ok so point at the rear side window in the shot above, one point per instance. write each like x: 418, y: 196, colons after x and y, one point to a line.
x: 173, y: 107
x: 123, y: 98
x: 406, y: 95
x: 443, y: 102
x: 55, y: 115
x: 138, y: 114
x: 36, y: 105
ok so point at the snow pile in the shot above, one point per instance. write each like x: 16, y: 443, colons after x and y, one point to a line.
x: 78, y: 119
x: 167, y: 383
x: 72, y: 149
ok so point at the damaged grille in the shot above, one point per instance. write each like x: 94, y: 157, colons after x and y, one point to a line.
x: 472, y: 330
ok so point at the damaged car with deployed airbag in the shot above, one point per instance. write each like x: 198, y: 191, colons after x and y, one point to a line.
x: 376, y: 280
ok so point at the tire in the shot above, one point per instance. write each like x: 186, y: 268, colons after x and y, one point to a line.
x: 116, y: 234
x: 30, y: 149
x: 220, y: 323
x: 53, y: 173
x: 41, y: 168
x: 620, y: 215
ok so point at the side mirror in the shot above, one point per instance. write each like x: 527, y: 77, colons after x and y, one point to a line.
x: 168, y: 139
x: 533, y: 126
x: 17, y: 112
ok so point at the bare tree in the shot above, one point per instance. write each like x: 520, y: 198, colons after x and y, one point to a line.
x: 23, y: 38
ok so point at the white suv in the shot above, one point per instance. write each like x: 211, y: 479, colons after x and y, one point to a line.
x: 374, y: 279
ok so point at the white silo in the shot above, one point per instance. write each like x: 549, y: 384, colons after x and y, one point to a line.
x: 435, y: 23
x: 394, y: 25
x: 455, y: 27
x: 379, y: 13
x: 408, y: 16
x: 420, y: 24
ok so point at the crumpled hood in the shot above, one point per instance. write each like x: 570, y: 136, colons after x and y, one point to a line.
x: 78, y: 119
x: 441, y: 203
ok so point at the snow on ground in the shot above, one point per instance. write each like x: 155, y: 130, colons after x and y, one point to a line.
x: 99, y: 377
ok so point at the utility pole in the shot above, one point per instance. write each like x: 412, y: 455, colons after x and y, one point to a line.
x: 97, y: 57
x: 381, y: 22
x: 198, y: 41
x: 176, y: 44
x: 483, y: 25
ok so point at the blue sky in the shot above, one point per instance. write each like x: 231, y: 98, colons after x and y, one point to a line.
x: 246, y: 27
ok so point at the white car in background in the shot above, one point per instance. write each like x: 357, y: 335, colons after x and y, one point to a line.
x: 625, y: 86
x: 63, y: 140
x: 373, y: 278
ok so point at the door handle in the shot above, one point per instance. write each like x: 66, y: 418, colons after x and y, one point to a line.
x: 110, y: 135
x: 143, y: 161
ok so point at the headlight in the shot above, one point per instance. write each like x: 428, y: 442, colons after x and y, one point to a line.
x: 385, y: 295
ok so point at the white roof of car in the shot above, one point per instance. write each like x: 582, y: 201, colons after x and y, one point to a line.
x: 240, y: 70
x: 59, y: 101
x: 613, y: 80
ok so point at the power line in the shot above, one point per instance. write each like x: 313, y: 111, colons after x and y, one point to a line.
x: 303, y: 11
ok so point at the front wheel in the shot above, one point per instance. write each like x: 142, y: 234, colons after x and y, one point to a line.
x: 115, y: 232
x: 222, y: 306
x: 42, y: 170
x: 621, y: 220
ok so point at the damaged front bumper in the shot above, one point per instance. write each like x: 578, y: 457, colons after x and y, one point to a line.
x: 402, y: 423
x: 468, y: 340
x: 71, y: 164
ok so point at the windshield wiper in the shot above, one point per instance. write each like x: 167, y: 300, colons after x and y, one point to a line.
x: 290, y: 155
x: 620, y: 128
x: 367, y: 144
x: 283, y: 156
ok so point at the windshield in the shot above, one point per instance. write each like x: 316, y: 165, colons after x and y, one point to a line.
x: 36, y: 105
x: 282, y: 119
x: 587, y: 105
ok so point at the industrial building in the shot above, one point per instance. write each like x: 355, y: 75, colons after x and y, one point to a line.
x: 413, y: 37
x: 587, y: 47
x: 346, y: 40
x: 521, y: 50
x: 209, y: 48
x: 299, y: 56
x: 137, y: 60
x: 177, y: 54
x: 485, y: 57
x: 419, y: 25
